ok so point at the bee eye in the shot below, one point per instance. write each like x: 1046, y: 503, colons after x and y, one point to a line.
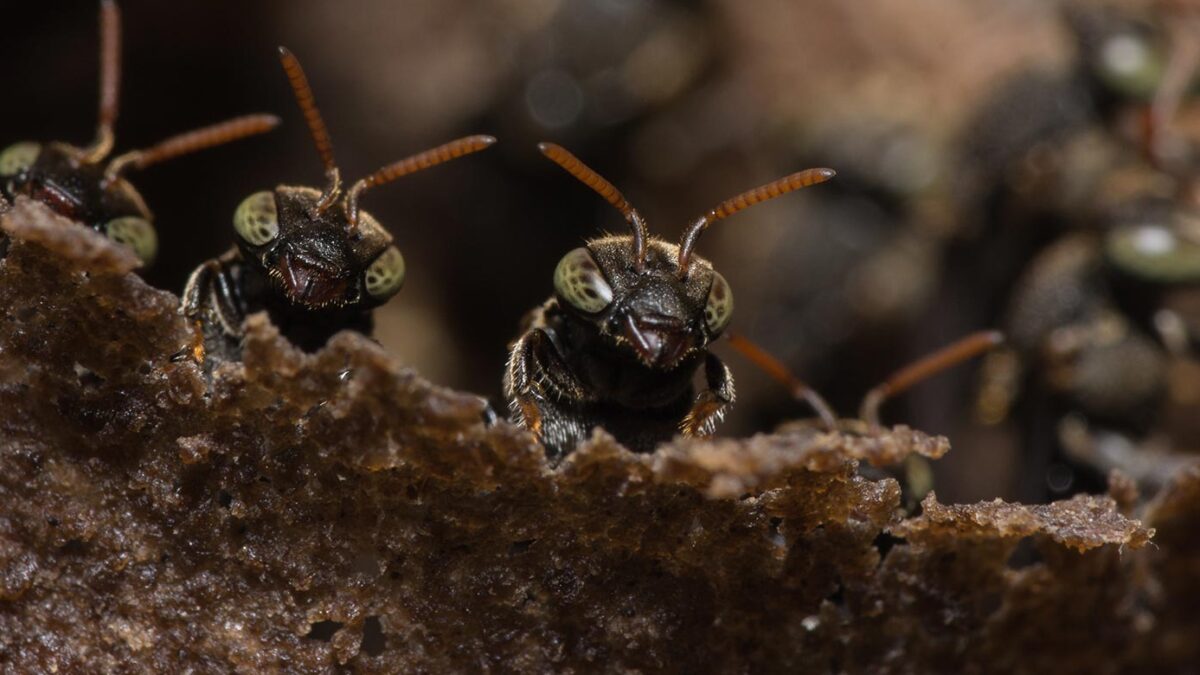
x: 1155, y: 253
x: 256, y: 219
x: 136, y: 233
x: 385, y: 276
x: 579, y: 281
x: 719, y: 308
x: 1130, y: 64
x: 18, y: 156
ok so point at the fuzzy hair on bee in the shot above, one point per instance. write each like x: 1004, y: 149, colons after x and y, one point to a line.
x: 312, y: 259
x: 83, y: 184
x: 619, y: 343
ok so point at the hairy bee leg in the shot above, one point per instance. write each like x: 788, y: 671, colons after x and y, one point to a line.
x: 210, y: 283
x: 192, y: 304
x: 199, y: 281
x: 711, y: 404
x: 520, y: 381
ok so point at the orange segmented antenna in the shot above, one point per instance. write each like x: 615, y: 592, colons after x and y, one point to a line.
x: 419, y: 162
x: 946, y: 357
x: 110, y: 81
x: 747, y: 199
x: 192, y: 141
x: 586, y: 175
x: 316, y: 125
x: 780, y: 373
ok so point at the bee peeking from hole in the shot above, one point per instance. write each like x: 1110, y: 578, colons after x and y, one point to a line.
x: 619, y: 343
x: 310, y: 258
x: 78, y: 183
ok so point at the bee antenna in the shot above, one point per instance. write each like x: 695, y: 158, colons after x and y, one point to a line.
x: 192, y: 141
x: 780, y: 373
x: 110, y: 81
x: 418, y: 162
x: 586, y: 175
x: 746, y: 199
x: 918, y: 371
x: 316, y: 125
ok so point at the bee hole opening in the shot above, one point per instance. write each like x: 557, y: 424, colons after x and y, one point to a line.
x: 323, y: 631
x: 373, y: 640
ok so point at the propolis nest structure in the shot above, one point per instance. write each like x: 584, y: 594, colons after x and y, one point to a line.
x: 313, y: 513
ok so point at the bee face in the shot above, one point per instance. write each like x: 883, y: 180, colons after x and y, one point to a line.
x: 317, y: 259
x: 651, y: 312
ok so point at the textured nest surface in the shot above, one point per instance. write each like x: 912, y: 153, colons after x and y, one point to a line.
x: 314, y: 512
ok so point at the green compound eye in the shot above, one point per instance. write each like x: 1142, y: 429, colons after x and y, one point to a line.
x: 19, y: 156
x: 136, y: 233
x: 579, y: 281
x: 385, y: 276
x: 1131, y: 64
x: 256, y: 219
x: 1155, y: 253
x: 719, y: 308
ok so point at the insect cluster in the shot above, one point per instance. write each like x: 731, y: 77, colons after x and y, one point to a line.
x: 616, y: 347
x: 1103, y: 319
x: 624, y: 343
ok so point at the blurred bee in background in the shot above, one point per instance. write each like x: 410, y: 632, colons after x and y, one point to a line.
x: 1102, y: 371
x: 78, y: 183
x: 1045, y: 153
x: 1104, y: 327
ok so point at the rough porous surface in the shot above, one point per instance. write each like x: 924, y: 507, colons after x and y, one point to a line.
x: 320, y: 512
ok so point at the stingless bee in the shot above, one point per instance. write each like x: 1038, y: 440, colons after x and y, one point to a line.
x: 1106, y: 338
x: 619, y: 343
x: 79, y: 184
x: 1104, y: 320
x: 310, y: 258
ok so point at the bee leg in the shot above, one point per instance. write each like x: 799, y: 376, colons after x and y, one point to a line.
x: 521, y: 381
x: 710, y: 404
x: 211, y: 283
x: 191, y: 305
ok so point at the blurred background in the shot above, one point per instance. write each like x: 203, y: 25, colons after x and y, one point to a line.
x: 1015, y: 164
